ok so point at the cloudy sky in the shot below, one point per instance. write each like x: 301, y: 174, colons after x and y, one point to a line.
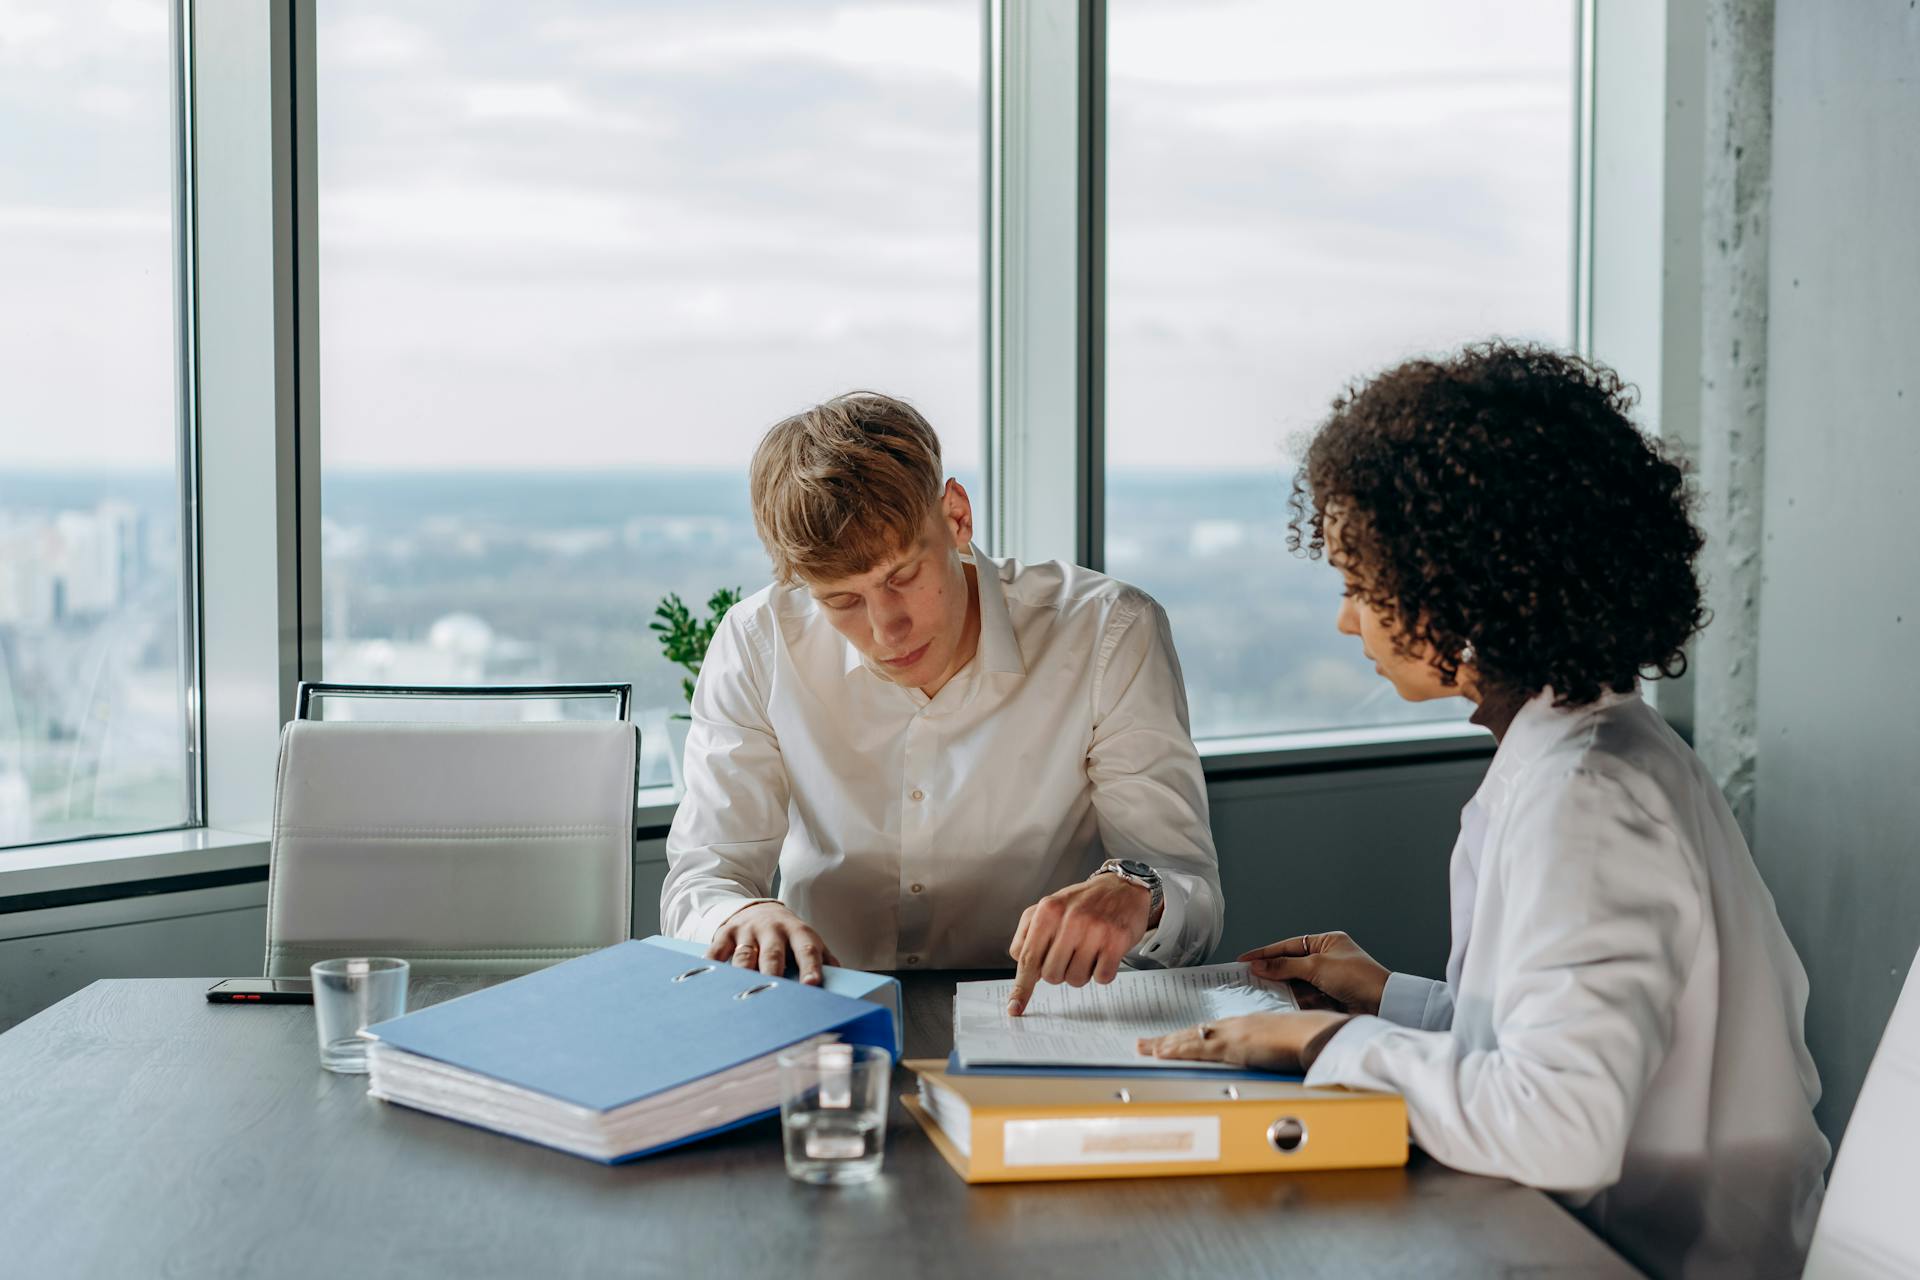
x: 624, y: 234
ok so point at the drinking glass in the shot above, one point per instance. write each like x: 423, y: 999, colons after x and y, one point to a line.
x: 349, y: 994
x: 833, y: 1112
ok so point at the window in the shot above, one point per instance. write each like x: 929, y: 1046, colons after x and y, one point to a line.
x: 93, y: 687
x: 1298, y: 195
x: 574, y: 259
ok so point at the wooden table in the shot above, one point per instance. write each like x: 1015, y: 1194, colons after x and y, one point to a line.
x: 145, y: 1132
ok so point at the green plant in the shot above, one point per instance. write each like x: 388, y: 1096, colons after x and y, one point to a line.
x: 684, y: 638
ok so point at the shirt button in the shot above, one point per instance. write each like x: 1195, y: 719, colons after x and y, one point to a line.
x: 918, y: 794
x: 917, y: 888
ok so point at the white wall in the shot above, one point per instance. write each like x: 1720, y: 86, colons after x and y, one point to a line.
x: 1837, y: 816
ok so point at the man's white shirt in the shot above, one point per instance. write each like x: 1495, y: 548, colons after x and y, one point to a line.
x: 912, y: 832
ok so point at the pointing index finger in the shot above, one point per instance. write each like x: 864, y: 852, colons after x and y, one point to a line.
x: 1023, y: 983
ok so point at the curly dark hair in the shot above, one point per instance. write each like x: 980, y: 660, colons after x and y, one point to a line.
x: 1502, y: 498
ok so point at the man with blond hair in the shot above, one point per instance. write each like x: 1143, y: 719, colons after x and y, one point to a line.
x: 949, y: 760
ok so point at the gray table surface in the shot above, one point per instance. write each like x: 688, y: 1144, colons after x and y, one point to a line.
x: 145, y: 1132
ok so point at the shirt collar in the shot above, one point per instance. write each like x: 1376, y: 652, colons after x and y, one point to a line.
x: 1536, y: 727
x: 999, y: 647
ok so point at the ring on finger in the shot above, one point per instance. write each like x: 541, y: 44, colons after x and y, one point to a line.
x: 1206, y: 1030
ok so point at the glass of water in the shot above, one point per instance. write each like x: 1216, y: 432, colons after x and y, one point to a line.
x: 350, y: 994
x: 833, y: 1111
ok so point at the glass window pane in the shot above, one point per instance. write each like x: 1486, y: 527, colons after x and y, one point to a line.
x: 1298, y: 195
x: 92, y: 697
x: 575, y: 258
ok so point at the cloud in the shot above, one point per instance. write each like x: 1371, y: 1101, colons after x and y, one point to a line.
x: 879, y: 41
x: 69, y: 223
x: 1213, y: 44
x: 375, y: 42
x: 62, y: 36
x: 549, y: 102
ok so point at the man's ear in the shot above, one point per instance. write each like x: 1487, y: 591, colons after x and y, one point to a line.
x: 957, y: 509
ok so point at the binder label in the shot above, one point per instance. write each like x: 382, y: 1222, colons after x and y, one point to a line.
x: 1112, y: 1140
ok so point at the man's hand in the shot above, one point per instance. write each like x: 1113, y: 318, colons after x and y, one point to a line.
x: 1264, y: 1041
x: 1325, y: 970
x: 1077, y: 934
x: 763, y: 935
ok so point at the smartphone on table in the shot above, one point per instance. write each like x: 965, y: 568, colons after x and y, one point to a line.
x: 262, y: 991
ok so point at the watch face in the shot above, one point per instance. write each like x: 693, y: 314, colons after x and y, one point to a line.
x: 1134, y: 868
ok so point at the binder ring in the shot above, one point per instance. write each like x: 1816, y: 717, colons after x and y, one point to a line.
x: 1287, y: 1135
x: 693, y: 973
x: 1233, y: 1092
x: 1125, y: 1095
x: 753, y: 991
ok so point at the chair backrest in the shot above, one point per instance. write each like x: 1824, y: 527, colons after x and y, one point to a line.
x: 1870, y: 1225
x: 462, y: 848
x: 412, y: 702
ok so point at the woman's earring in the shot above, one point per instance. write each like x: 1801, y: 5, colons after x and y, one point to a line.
x: 1467, y: 655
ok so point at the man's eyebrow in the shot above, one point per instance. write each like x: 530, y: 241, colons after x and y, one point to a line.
x: 896, y: 567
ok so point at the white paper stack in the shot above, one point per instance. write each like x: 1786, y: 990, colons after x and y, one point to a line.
x: 1097, y: 1025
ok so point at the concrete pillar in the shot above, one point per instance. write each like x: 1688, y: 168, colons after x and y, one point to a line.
x: 1733, y: 407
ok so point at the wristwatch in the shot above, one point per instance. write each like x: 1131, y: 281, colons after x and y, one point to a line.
x: 1136, y: 872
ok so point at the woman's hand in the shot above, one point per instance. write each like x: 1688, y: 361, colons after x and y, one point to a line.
x: 1325, y: 970
x: 1264, y: 1041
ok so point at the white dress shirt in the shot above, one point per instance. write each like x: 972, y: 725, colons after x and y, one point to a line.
x: 1622, y: 1019
x: 912, y: 832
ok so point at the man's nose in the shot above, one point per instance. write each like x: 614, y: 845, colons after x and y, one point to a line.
x: 891, y: 624
x: 1347, y: 621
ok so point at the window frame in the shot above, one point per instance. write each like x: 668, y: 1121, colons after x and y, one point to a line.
x: 98, y: 845
x: 1046, y: 79
x: 247, y: 347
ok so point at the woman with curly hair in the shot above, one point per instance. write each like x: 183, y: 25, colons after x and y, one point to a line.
x: 1621, y: 1020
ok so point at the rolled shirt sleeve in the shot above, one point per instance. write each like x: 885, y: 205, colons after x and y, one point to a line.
x: 1149, y: 793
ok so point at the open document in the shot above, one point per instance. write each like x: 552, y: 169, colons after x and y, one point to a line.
x: 1096, y: 1025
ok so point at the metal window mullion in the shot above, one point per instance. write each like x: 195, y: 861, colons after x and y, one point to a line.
x: 1045, y: 269
x: 253, y: 464
x: 1091, y: 495
x: 186, y: 407
x: 305, y: 482
x: 1585, y: 122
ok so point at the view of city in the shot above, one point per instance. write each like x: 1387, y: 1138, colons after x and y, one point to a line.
x: 91, y: 716
x: 574, y: 258
x: 489, y: 577
x: 492, y: 578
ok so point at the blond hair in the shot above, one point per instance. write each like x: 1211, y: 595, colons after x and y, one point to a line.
x: 841, y: 486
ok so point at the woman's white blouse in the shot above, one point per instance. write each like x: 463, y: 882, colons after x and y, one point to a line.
x: 1622, y: 1018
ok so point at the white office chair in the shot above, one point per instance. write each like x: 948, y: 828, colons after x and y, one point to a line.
x: 1869, y: 1228
x: 463, y: 848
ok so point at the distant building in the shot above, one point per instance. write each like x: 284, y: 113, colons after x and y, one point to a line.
x: 28, y: 573
x: 459, y: 649
x: 74, y: 564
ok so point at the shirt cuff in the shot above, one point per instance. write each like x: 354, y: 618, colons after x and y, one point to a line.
x: 1407, y: 999
x: 1339, y: 1059
x: 1159, y: 947
x: 708, y: 922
